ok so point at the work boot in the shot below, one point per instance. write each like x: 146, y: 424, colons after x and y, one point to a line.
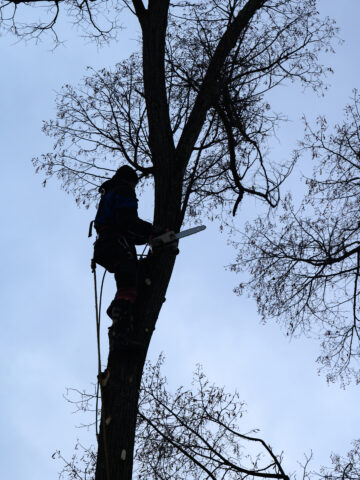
x: 119, y: 308
x: 120, y: 333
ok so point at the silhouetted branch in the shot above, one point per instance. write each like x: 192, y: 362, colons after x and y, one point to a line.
x: 185, y: 434
x: 305, y: 263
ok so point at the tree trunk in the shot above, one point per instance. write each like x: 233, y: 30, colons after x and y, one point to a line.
x: 122, y: 377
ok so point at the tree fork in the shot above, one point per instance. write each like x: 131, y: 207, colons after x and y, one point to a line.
x: 209, y: 89
x: 168, y: 174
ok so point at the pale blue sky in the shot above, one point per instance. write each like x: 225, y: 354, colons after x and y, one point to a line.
x: 47, y: 341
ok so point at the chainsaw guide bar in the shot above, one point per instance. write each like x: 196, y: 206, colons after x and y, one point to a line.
x: 172, y: 238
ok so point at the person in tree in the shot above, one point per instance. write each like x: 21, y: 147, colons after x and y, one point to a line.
x: 119, y: 229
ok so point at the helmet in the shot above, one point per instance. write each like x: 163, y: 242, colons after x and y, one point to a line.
x: 125, y: 173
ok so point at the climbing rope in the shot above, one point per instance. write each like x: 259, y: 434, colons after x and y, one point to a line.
x: 98, y: 323
x: 99, y: 385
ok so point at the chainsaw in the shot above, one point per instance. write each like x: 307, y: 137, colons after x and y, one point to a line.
x: 171, y: 239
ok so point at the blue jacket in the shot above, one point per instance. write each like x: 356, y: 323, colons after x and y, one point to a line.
x: 118, y: 214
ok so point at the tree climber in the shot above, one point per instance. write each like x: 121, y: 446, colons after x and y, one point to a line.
x: 119, y: 229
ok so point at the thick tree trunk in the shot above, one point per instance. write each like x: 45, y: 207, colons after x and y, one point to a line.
x: 122, y: 377
x: 121, y: 380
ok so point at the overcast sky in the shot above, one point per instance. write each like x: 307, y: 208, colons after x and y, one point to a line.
x: 47, y: 339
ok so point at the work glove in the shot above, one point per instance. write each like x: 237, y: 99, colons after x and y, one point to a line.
x: 164, y: 240
x: 157, y: 231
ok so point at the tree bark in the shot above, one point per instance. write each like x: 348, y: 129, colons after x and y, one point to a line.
x: 121, y: 380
